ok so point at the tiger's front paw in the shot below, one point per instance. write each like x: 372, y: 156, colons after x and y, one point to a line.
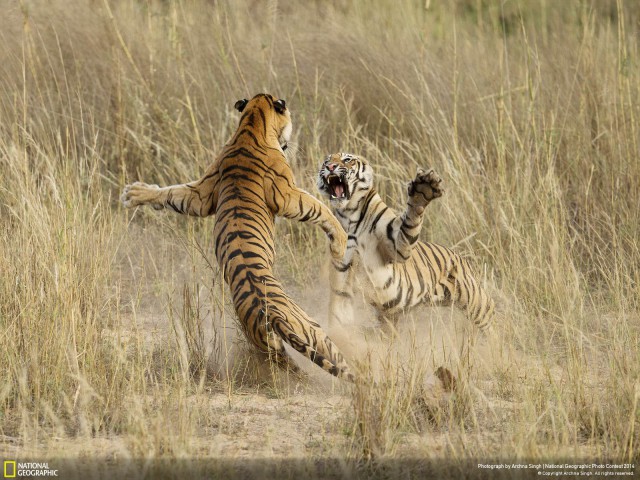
x: 425, y: 187
x: 338, y: 244
x: 139, y: 193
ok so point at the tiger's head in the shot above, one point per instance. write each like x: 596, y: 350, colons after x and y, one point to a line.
x: 345, y: 178
x: 269, y: 114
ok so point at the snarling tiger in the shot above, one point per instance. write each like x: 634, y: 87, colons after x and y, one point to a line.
x: 246, y: 187
x: 402, y: 271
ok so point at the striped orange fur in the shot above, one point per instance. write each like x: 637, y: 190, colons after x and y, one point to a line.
x: 246, y: 187
x: 402, y: 271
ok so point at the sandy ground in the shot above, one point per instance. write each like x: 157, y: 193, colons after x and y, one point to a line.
x: 266, y: 416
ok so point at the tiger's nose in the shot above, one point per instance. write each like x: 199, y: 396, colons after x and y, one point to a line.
x: 331, y: 167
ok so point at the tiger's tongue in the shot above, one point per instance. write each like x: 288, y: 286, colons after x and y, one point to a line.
x: 339, y: 191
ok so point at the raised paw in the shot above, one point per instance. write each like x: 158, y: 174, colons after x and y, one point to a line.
x: 139, y: 193
x: 425, y: 187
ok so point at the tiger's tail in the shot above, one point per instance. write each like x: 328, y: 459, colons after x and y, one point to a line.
x: 306, y: 336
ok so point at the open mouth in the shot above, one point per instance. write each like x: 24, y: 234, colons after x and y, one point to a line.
x: 337, y: 187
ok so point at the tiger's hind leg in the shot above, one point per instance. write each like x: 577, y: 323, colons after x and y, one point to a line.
x: 460, y: 288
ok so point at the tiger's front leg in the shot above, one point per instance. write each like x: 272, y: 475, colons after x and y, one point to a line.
x: 195, y: 198
x: 422, y: 190
x: 300, y: 205
x: 139, y: 193
x: 405, y: 229
x: 341, y: 288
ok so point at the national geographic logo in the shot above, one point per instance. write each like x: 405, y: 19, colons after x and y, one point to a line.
x: 13, y: 469
x: 9, y: 469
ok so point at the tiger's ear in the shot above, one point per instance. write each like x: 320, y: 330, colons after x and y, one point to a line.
x: 280, y: 106
x: 240, y: 104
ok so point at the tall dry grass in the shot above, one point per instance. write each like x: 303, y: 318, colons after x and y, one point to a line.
x: 528, y: 109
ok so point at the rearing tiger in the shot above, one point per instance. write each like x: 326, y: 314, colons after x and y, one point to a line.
x: 402, y: 271
x: 246, y: 187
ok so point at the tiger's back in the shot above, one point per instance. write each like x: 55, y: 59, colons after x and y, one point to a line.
x: 244, y: 231
x: 437, y: 276
x: 248, y: 185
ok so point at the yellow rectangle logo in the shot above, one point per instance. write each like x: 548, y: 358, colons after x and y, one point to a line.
x: 9, y: 469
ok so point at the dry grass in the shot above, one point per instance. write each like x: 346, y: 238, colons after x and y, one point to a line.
x: 114, y: 324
